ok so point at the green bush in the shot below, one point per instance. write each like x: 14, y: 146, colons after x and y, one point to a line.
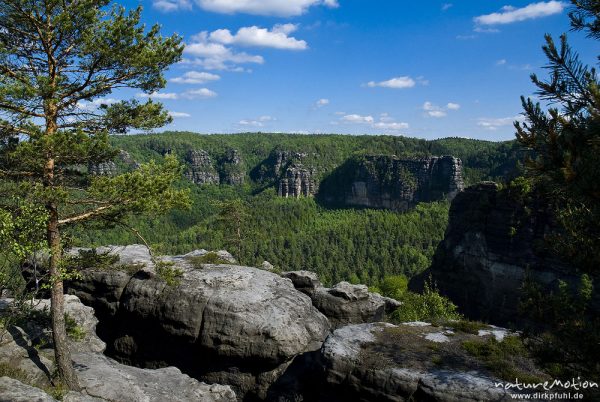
x: 503, y: 358
x: 208, y: 258
x: 429, y: 306
x: 394, y: 286
x: 167, y: 272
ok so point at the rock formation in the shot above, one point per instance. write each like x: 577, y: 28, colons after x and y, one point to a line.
x: 492, y: 244
x: 393, y: 183
x: 344, y: 303
x: 297, y: 181
x: 388, y: 363
x: 289, y: 173
x: 103, y: 169
x: 221, y: 323
x: 101, y: 378
x: 231, y: 168
x: 201, y: 169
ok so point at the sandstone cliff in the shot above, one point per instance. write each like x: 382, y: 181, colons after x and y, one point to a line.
x: 393, y: 183
x: 492, y: 245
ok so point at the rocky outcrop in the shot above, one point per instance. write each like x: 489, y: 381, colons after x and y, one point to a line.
x: 290, y: 172
x: 231, y: 168
x: 344, y: 303
x: 219, y: 323
x: 101, y: 378
x: 108, y: 168
x: 201, y: 169
x: 492, y: 245
x: 409, y: 362
x: 297, y: 181
x: 393, y: 183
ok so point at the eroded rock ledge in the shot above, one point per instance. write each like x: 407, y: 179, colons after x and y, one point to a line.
x: 100, y: 377
x: 221, y: 323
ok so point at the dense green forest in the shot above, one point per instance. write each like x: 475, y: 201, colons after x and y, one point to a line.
x: 360, y: 245
x: 481, y: 159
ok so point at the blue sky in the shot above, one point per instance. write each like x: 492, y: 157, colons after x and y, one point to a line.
x: 427, y: 69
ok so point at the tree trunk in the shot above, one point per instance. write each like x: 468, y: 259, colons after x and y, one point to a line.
x: 62, y: 353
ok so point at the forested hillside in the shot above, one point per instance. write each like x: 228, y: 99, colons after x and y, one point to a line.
x: 360, y: 245
x: 481, y: 159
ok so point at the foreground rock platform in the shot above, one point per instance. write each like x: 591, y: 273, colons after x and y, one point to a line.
x: 220, y: 323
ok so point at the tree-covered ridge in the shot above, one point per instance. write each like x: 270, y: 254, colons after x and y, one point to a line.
x: 325, y: 152
x: 358, y: 245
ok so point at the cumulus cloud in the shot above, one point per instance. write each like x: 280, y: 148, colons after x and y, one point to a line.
x: 216, y: 56
x: 195, y: 77
x: 509, y: 15
x: 494, y: 124
x: 321, y: 103
x: 177, y: 115
x: 254, y: 36
x: 280, y: 8
x: 395, y: 83
x: 357, y: 119
x: 436, y: 111
x: 159, y: 95
x: 167, y: 6
x: 384, y: 123
x: 199, y: 93
x: 259, y: 122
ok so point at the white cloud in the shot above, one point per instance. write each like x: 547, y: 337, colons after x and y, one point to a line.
x: 390, y: 126
x: 357, y: 119
x: 493, y: 124
x: 172, y: 5
x: 195, y: 77
x: 385, y: 123
x: 281, y: 8
x: 509, y: 14
x: 321, y: 103
x: 501, y: 62
x: 159, y: 95
x: 199, y: 93
x: 432, y: 110
x: 446, y: 6
x: 176, y: 115
x: 395, y: 83
x: 216, y: 56
x: 437, y: 113
x: 259, y: 122
x: 254, y: 36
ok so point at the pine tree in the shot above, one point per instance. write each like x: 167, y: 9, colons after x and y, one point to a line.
x: 58, y: 60
x: 565, y: 142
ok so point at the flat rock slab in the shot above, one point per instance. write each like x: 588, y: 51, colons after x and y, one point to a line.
x: 415, y: 361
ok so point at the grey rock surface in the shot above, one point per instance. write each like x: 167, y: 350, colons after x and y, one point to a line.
x: 359, y: 367
x: 201, y: 169
x: 221, y: 323
x: 389, y: 182
x: 12, y: 390
x: 101, y: 378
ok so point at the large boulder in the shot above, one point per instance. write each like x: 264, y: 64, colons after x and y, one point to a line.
x: 220, y: 323
x: 409, y: 362
x: 344, y: 303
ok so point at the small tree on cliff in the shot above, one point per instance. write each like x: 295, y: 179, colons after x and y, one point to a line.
x: 58, y: 59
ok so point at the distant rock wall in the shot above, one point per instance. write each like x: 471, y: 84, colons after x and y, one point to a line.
x: 297, y: 181
x: 492, y: 244
x: 201, y: 169
x: 392, y: 183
